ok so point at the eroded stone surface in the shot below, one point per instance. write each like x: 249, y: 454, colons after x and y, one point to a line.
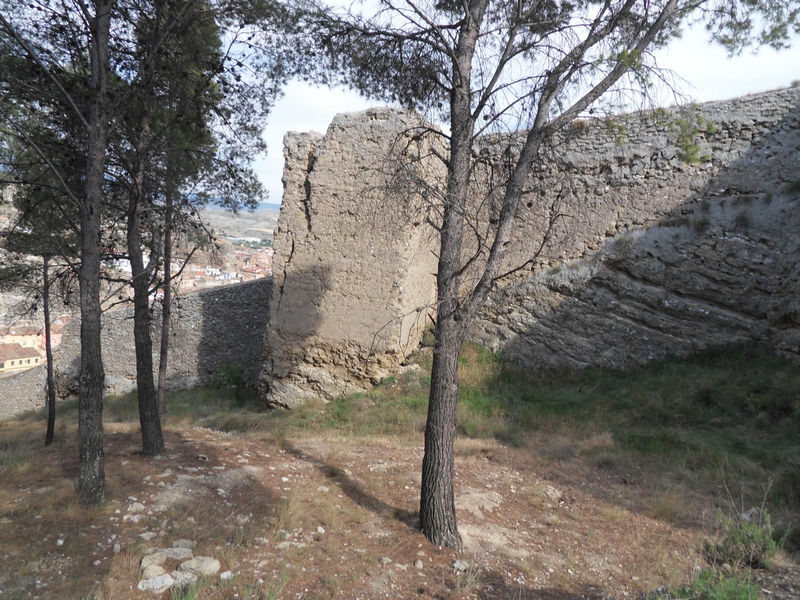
x: 156, y: 558
x: 183, y: 578
x: 201, y: 565
x: 157, y: 585
x: 176, y: 553
x: 151, y: 571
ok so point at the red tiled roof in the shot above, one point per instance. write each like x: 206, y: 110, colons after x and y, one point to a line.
x: 15, y: 351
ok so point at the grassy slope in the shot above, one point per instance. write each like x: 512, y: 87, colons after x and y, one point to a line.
x: 727, y: 421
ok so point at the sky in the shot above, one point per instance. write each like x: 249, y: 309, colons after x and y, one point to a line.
x: 706, y: 73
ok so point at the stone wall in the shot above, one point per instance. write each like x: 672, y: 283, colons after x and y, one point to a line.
x: 210, y: 329
x: 677, y: 231
x: 684, y: 236
x: 724, y: 275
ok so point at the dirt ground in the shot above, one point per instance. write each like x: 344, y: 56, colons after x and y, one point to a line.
x: 332, y: 518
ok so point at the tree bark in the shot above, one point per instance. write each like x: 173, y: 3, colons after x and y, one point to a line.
x: 437, y: 509
x: 48, y: 351
x: 91, y: 469
x: 149, y: 420
x: 152, y: 438
x: 437, y: 506
x: 166, y: 303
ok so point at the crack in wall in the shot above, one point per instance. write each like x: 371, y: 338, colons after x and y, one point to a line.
x: 283, y: 275
x: 307, y: 188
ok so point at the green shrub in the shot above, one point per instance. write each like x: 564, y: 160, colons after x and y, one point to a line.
x: 687, y: 131
x: 747, y: 541
x: 232, y: 376
x: 710, y: 585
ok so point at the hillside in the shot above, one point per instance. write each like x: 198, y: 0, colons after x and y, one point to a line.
x: 559, y: 493
x: 259, y: 223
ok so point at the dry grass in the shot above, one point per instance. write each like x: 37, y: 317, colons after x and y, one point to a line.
x: 468, y: 581
x: 614, y: 514
x: 287, y: 514
x: 268, y: 535
x: 604, y: 504
x: 668, y: 506
x: 668, y: 568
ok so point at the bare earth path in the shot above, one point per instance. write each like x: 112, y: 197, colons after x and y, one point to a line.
x: 336, y: 519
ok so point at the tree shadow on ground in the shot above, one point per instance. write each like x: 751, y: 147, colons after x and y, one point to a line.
x: 495, y: 586
x: 353, y: 490
x: 181, y: 494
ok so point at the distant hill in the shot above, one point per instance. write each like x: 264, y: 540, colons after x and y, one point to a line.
x: 260, y: 223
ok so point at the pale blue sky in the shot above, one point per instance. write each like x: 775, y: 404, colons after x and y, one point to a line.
x: 706, y: 71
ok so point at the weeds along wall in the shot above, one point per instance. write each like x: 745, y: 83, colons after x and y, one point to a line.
x: 211, y: 331
x: 676, y: 230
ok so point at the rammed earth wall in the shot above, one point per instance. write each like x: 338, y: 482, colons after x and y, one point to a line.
x: 678, y: 231
x: 353, y: 272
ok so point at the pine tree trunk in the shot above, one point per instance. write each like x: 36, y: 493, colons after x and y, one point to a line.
x: 48, y: 350
x: 437, y: 509
x: 152, y: 438
x: 91, y: 469
x: 91, y: 475
x: 166, y: 305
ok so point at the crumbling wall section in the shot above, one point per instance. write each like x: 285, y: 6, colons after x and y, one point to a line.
x: 353, y: 274
x: 682, y: 235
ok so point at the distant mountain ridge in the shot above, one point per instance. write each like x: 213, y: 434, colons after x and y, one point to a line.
x: 259, y: 223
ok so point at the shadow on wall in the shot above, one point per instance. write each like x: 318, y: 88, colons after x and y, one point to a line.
x: 722, y: 269
x: 232, y: 328
x: 291, y: 367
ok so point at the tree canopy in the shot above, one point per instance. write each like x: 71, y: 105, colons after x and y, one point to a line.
x: 155, y: 99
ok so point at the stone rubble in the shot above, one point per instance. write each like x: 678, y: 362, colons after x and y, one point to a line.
x: 154, y: 574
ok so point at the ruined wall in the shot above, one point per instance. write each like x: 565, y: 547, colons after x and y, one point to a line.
x: 353, y: 276
x: 684, y: 237
x: 724, y: 275
x: 677, y: 231
x: 680, y: 230
x: 211, y: 328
